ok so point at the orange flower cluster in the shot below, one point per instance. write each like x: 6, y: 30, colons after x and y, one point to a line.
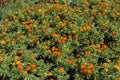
x: 87, y: 68
x: 50, y: 74
x: 20, y: 67
x: 18, y: 64
x: 28, y: 24
x: 85, y: 28
x: 32, y: 67
x: 20, y: 51
x: 70, y: 62
x: 87, y: 53
x: 61, y: 70
x: 54, y: 34
x: 62, y: 40
x: 56, y: 51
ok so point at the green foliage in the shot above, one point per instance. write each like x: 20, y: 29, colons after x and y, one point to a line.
x: 60, y: 40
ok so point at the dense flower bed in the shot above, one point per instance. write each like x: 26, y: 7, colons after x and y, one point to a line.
x: 60, y: 40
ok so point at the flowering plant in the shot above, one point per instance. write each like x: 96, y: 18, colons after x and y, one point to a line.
x: 60, y: 40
